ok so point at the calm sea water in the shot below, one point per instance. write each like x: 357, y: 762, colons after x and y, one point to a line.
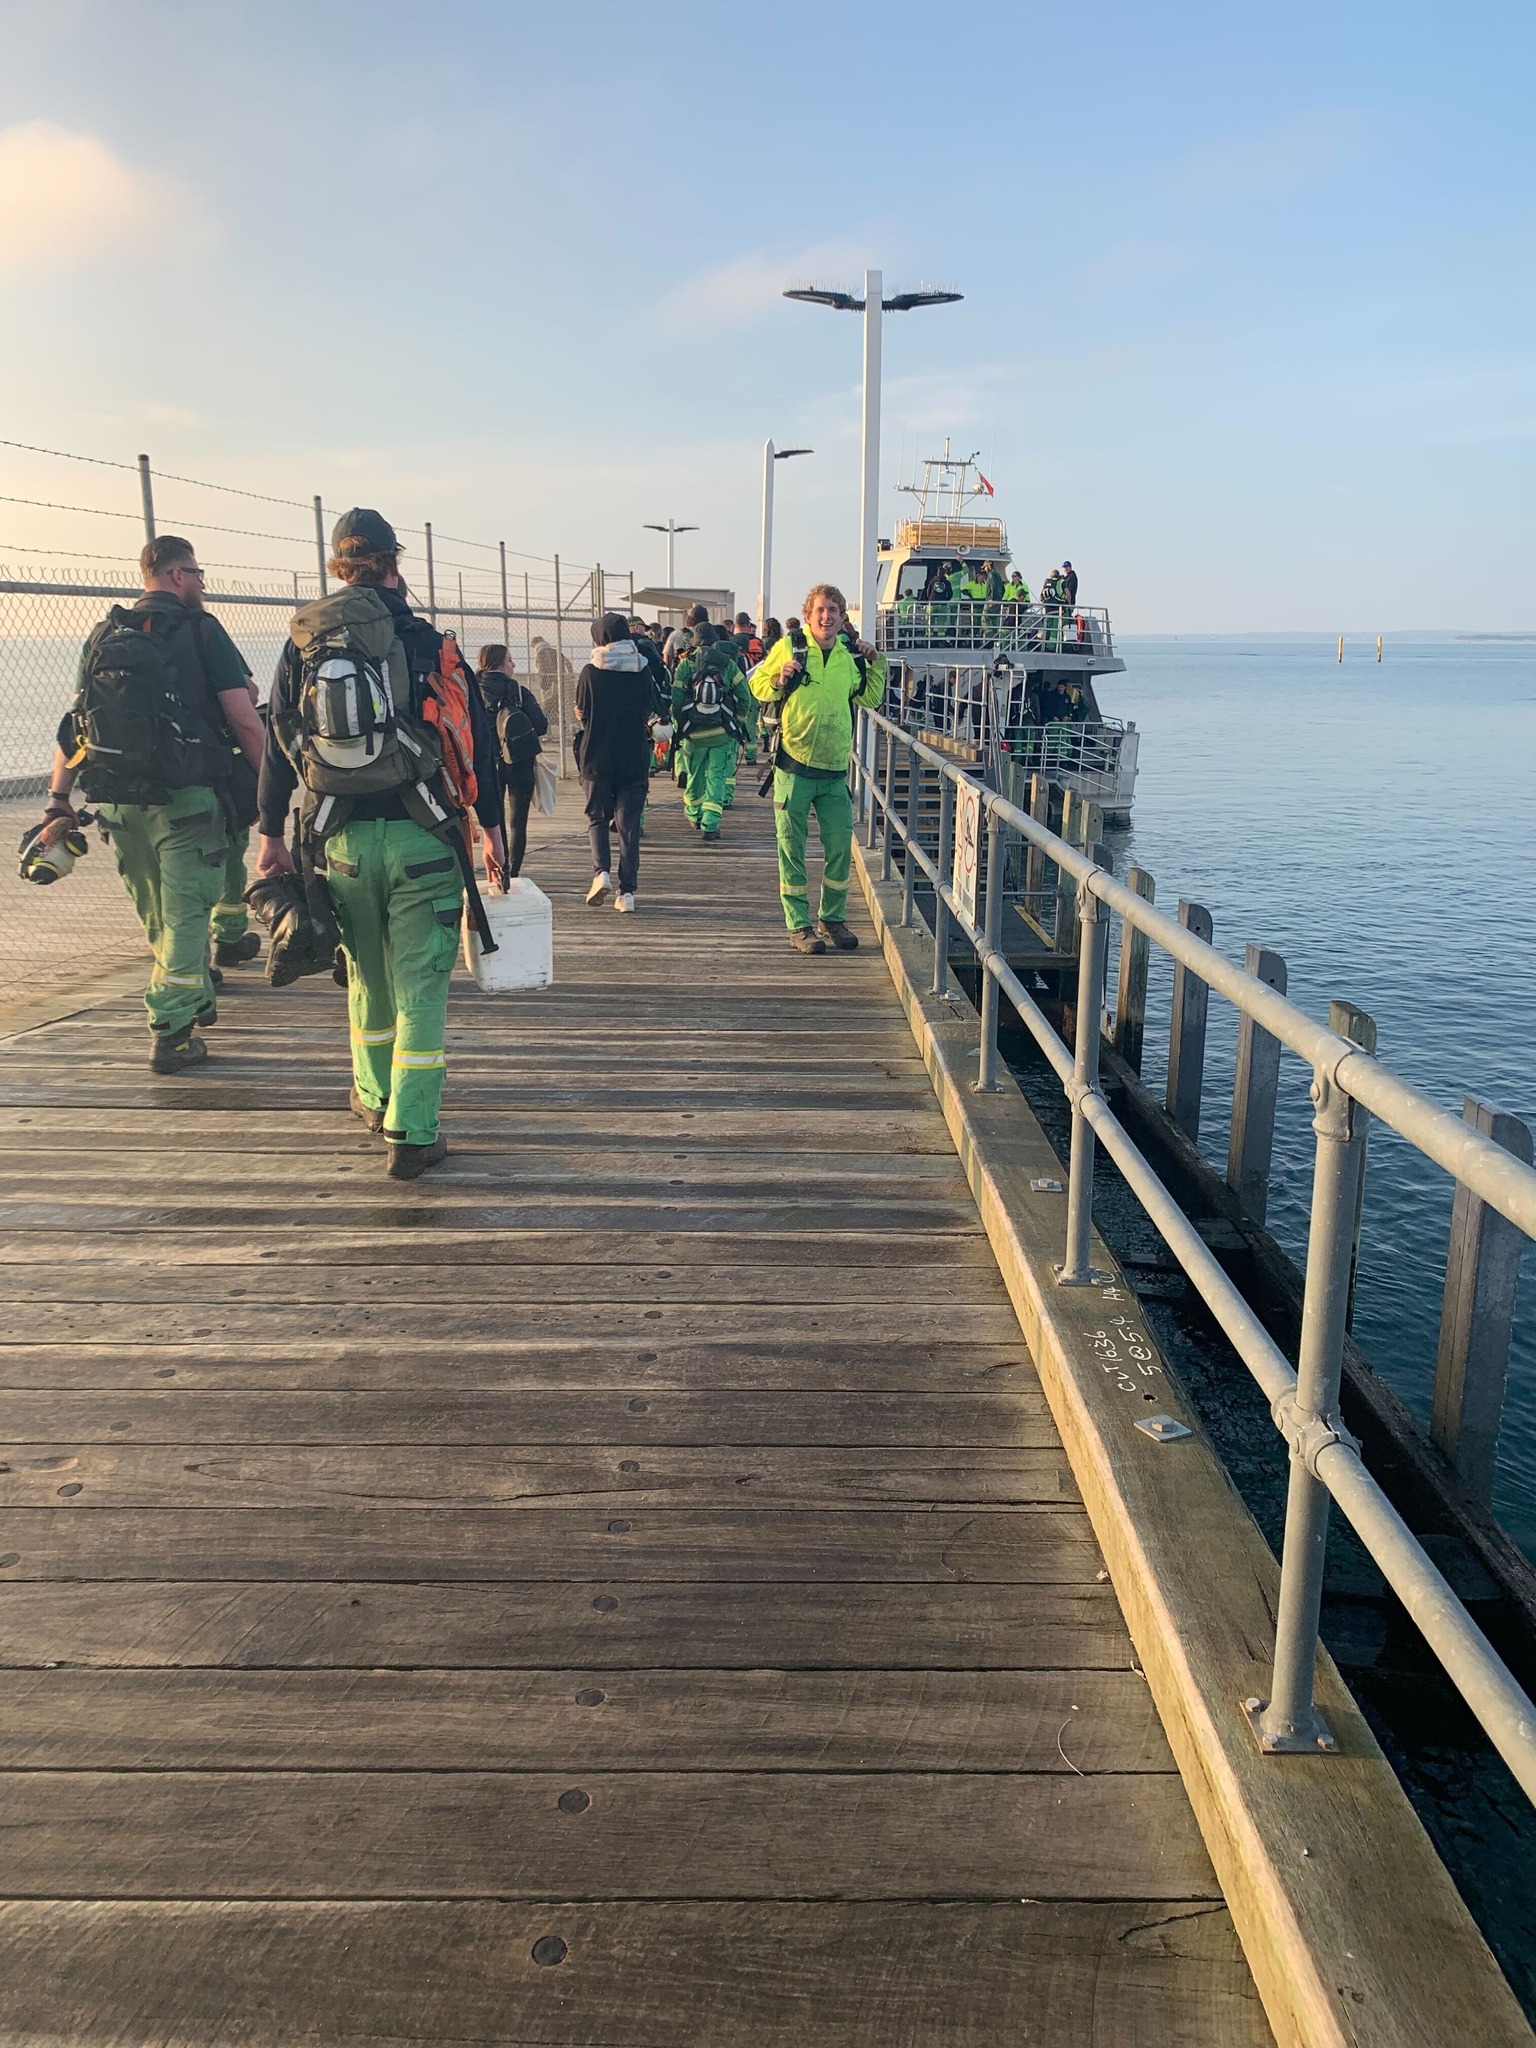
x: 1376, y: 825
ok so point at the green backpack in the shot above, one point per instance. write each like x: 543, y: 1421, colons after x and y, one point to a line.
x: 142, y: 721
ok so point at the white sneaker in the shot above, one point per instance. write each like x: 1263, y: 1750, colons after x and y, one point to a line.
x: 600, y: 891
x: 625, y: 900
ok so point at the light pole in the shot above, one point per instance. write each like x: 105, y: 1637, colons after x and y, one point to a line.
x: 771, y: 455
x: 671, y: 530
x: 872, y: 306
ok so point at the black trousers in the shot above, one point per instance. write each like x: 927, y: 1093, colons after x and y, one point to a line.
x: 617, y: 807
x: 516, y: 799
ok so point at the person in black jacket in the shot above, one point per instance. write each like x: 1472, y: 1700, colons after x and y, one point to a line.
x: 395, y: 885
x: 615, y: 702
x: 519, y: 722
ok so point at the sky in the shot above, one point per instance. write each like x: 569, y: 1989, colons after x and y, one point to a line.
x: 1247, y: 328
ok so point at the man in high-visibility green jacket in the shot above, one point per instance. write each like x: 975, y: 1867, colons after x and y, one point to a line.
x: 815, y: 680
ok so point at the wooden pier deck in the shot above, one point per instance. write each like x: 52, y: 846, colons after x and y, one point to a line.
x: 625, y: 1589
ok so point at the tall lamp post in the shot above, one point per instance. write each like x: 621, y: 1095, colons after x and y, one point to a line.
x: 771, y: 455
x: 671, y: 530
x: 872, y: 306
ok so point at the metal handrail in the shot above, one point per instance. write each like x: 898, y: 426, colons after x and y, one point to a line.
x: 1325, y: 1460
x: 1005, y: 624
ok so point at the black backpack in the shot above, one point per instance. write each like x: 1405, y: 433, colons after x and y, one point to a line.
x: 516, y: 734
x: 142, y: 720
x: 709, y: 703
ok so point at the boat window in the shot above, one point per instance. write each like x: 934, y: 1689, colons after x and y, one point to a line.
x: 913, y: 577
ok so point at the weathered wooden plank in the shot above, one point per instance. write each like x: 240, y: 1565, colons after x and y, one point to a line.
x: 79, y: 1478
x: 543, y: 1364
x: 261, y: 1323
x: 628, y: 1975
x: 736, y: 1284
x: 199, y: 1416
x: 654, y: 1835
x: 1028, y: 1545
x: 692, y: 1720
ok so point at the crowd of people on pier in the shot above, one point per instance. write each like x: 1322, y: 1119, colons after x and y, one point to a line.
x: 376, y: 749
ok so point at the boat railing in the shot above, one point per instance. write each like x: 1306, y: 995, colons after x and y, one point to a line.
x: 1007, y: 626
x: 1349, y: 1086
x: 1063, y: 748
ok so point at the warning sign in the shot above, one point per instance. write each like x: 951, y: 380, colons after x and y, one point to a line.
x: 967, y: 846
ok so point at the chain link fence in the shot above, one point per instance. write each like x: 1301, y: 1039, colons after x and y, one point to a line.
x: 540, y: 607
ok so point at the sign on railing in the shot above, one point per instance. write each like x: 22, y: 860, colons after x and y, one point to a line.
x: 967, y: 861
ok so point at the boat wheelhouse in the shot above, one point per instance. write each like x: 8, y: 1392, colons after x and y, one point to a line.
x: 1005, y: 683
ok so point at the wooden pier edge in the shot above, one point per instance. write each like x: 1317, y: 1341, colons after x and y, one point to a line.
x: 1353, y: 1930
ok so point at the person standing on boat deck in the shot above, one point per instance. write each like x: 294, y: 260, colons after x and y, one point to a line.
x: 392, y: 871
x: 172, y: 838
x: 614, y: 706
x: 816, y: 680
x: 518, y: 720
x: 1069, y: 583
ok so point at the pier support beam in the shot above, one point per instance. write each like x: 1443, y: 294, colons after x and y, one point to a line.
x: 1186, y: 1037
x: 1254, y: 1088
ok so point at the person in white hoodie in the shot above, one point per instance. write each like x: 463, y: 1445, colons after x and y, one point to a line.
x: 615, y: 702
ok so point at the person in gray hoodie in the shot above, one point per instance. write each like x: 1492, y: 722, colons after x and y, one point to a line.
x: 615, y: 702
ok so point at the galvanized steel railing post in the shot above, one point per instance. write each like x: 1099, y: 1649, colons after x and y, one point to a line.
x: 1093, y: 925
x: 909, y: 865
x: 856, y: 765
x: 991, y: 932
x: 885, y: 808
x: 1288, y: 1721
x: 871, y: 771
x: 147, y: 497
x: 943, y: 862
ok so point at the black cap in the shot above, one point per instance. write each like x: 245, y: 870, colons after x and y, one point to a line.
x: 360, y: 524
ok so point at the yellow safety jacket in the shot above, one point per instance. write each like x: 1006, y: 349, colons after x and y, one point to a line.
x: 817, y: 725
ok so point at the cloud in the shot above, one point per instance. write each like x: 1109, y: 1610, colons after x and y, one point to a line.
x: 1266, y: 161
x: 66, y: 199
x: 736, y: 293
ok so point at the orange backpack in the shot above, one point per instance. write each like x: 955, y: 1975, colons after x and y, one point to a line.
x: 447, y: 708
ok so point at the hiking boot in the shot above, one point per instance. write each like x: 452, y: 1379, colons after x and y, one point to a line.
x: 625, y: 901
x: 407, y: 1162
x: 173, y: 1052
x: 600, y: 891
x: 235, y: 952
x: 709, y: 834
x: 838, y: 933
x: 373, y: 1118
x: 206, y: 1017
x: 215, y: 977
x: 804, y: 940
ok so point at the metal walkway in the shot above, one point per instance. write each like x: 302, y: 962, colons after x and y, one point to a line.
x: 627, y: 1589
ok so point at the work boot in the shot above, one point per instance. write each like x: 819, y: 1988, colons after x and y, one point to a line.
x: 406, y: 1162
x: 235, y: 952
x: 833, y: 928
x: 600, y: 891
x: 804, y: 940
x: 373, y: 1118
x: 173, y: 1052
x: 215, y: 977
x: 709, y: 834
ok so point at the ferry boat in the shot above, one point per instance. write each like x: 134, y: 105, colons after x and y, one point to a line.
x: 1005, y: 684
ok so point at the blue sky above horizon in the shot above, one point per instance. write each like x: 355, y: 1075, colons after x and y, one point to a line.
x: 1247, y: 329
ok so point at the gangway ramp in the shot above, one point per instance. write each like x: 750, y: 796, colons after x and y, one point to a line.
x: 626, y: 1589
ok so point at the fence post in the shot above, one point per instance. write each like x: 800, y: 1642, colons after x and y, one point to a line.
x: 147, y: 497
x: 559, y: 669
x: 1186, y: 1038
x: 431, y: 579
x: 1254, y: 1086
x: 506, y: 610
x: 320, y: 543
x: 1288, y: 1721
x: 909, y: 865
x: 1351, y: 1022
x: 943, y: 864
x: 1093, y: 924
x: 1482, y: 1278
x: 1131, y: 993
x: 528, y: 642
x: 991, y: 931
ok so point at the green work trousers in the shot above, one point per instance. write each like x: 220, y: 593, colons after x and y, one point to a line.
x: 753, y: 713
x: 229, y: 914
x: 794, y: 799
x: 171, y: 858
x: 398, y: 898
x: 707, y: 767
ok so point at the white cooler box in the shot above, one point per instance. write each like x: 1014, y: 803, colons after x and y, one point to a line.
x: 522, y: 925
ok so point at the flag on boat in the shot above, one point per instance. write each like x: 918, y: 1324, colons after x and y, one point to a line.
x: 985, y: 485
